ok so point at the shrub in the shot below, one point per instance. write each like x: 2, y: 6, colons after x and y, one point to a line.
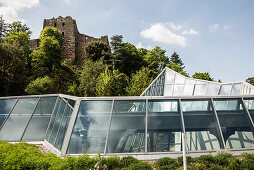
x: 189, y: 159
x: 166, y: 163
x: 139, y: 166
x: 223, y: 159
x: 128, y: 160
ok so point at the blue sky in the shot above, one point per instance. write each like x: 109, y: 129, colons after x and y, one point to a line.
x: 210, y: 36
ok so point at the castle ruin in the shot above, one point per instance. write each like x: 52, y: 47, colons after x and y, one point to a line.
x: 73, y: 46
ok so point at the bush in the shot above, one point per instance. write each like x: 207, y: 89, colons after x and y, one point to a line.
x: 166, y: 163
x: 139, y: 166
x: 126, y: 161
x: 223, y: 159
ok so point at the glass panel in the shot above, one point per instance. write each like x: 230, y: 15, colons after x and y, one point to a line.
x: 250, y: 106
x: 235, y: 124
x: 40, y: 120
x: 202, y: 132
x: 170, y: 77
x: 189, y: 81
x: 53, y: 119
x: 127, y: 130
x: 63, y: 128
x: 200, y: 90
x: 17, y: 121
x: 91, y: 126
x: 225, y: 89
x: 164, y: 126
x: 212, y: 89
x: 179, y: 79
x: 5, y: 107
x: 57, y: 122
x: 168, y: 90
x: 188, y: 90
x: 201, y: 82
x: 178, y: 90
x: 236, y: 89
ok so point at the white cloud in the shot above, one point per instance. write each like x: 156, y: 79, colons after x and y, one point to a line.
x: 190, y: 32
x: 214, y: 27
x: 160, y: 33
x: 140, y: 45
x: 10, y: 8
x: 226, y: 27
x: 175, y: 27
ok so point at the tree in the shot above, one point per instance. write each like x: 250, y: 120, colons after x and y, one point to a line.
x: 127, y: 59
x: 139, y: 82
x: 116, y: 41
x: 250, y: 80
x: 40, y: 86
x: 111, y: 83
x: 177, y: 60
x: 97, y: 50
x: 89, y: 77
x: 3, y: 28
x: 48, y: 57
x: 13, y: 69
x: 156, y: 60
x: 178, y: 69
x: 203, y: 76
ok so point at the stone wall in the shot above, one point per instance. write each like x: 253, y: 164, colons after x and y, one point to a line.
x: 73, y: 47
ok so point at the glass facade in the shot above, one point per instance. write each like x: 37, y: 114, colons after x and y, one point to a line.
x: 206, y: 116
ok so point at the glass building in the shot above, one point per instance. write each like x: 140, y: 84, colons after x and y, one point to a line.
x: 174, y: 113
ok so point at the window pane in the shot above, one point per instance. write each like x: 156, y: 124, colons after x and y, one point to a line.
x: 235, y: 124
x: 178, y: 90
x: 63, y: 127
x: 53, y: 119
x: 212, y: 89
x: 189, y: 81
x: 170, y: 77
x: 127, y: 130
x: 164, y: 126
x: 202, y: 132
x: 168, y: 90
x: 225, y: 89
x: 179, y: 79
x: 5, y: 107
x: 250, y: 106
x: 91, y: 126
x: 188, y: 90
x: 17, y: 121
x: 40, y: 120
x: 57, y: 122
x: 200, y: 90
x: 236, y: 89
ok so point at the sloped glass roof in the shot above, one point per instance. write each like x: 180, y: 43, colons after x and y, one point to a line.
x: 171, y: 83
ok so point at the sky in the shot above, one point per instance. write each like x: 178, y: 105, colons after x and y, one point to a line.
x: 215, y: 36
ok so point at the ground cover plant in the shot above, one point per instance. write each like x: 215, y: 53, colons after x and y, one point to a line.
x: 27, y: 156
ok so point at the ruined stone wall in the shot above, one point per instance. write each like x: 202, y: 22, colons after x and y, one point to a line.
x: 73, y: 47
x: 34, y: 44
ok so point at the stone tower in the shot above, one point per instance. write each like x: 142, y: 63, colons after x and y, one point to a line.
x: 73, y: 47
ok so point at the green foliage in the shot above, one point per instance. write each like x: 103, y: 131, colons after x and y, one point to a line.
x: 111, y: 83
x: 178, y: 69
x: 156, y: 60
x: 3, y: 27
x: 250, y: 80
x: 177, y: 60
x: 128, y: 160
x: 39, y: 86
x: 13, y: 69
x: 97, y: 50
x: 47, y: 58
x: 139, y: 166
x: 89, y: 77
x: 127, y: 59
x: 223, y: 158
x: 203, y: 76
x: 116, y: 41
x: 139, y: 82
x: 166, y: 163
